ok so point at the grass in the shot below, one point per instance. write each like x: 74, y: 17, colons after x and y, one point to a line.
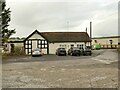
x: 118, y: 50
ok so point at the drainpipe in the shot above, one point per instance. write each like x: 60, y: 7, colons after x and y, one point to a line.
x: 85, y: 42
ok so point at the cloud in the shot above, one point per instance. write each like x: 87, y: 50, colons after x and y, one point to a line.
x: 63, y: 16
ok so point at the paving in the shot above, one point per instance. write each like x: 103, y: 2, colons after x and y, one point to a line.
x: 50, y: 71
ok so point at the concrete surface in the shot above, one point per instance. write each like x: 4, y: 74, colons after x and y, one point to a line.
x: 97, y: 71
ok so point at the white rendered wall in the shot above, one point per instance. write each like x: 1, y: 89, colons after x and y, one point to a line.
x: 36, y: 36
x: 44, y: 51
x: 54, y: 46
x: 105, y: 41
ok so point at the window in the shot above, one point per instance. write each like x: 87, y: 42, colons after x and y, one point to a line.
x: 78, y: 45
x: 72, y: 45
x: 45, y: 42
x: 60, y: 45
x: 39, y: 42
x: 45, y: 46
x: 42, y: 46
x: 95, y: 41
x: 42, y: 42
x: 111, y: 41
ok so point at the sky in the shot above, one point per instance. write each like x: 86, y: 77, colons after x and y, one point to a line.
x: 64, y: 16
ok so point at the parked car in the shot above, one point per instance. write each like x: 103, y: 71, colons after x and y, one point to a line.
x: 61, y: 51
x: 74, y: 51
x: 96, y: 46
x: 87, y: 51
x: 37, y: 52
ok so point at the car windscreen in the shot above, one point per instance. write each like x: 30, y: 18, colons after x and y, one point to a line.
x: 37, y: 49
x: 76, y: 48
x: 87, y: 47
x: 61, y: 48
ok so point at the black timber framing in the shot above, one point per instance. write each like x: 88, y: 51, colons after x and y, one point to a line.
x: 28, y: 46
x: 41, y: 43
x: 36, y: 31
x: 46, y: 45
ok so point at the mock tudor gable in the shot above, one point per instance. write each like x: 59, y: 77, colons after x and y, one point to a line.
x: 35, y: 40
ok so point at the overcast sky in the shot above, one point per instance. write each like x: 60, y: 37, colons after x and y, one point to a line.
x: 64, y: 16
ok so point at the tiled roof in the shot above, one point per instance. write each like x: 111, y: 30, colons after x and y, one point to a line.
x: 53, y: 37
x: 66, y: 36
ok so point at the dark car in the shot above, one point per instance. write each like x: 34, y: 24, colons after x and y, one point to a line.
x: 87, y: 51
x: 74, y: 51
x: 61, y: 51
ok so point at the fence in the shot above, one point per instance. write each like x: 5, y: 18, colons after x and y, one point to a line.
x: 109, y: 46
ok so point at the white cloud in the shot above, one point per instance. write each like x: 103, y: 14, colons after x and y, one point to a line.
x: 28, y: 15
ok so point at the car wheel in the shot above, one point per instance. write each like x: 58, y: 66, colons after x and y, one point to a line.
x: 90, y: 54
x: 58, y: 54
x: 71, y: 54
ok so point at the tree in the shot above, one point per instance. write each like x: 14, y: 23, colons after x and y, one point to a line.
x: 5, y: 23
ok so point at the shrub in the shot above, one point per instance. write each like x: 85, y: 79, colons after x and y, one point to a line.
x: 18, y: 50
x: 118, y: 50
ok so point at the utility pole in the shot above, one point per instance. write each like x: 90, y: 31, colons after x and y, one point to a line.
x: 91, y: 34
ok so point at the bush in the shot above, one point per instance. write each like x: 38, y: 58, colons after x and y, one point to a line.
x: 118, y: 50
x: 18, y: 50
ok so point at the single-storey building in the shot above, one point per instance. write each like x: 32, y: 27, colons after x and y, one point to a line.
x: 106, y: 42
x: 50, y: 41
x: 16, y: 43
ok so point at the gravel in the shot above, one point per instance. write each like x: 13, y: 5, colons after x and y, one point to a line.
x: 70, y: 72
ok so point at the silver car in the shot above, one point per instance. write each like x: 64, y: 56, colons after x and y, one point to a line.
x: 37, y: 52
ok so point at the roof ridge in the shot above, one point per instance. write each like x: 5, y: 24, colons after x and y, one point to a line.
x: 62, y: 32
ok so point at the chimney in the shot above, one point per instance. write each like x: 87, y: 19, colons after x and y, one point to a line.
x: 90, y: 29
x: 91, y: 34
